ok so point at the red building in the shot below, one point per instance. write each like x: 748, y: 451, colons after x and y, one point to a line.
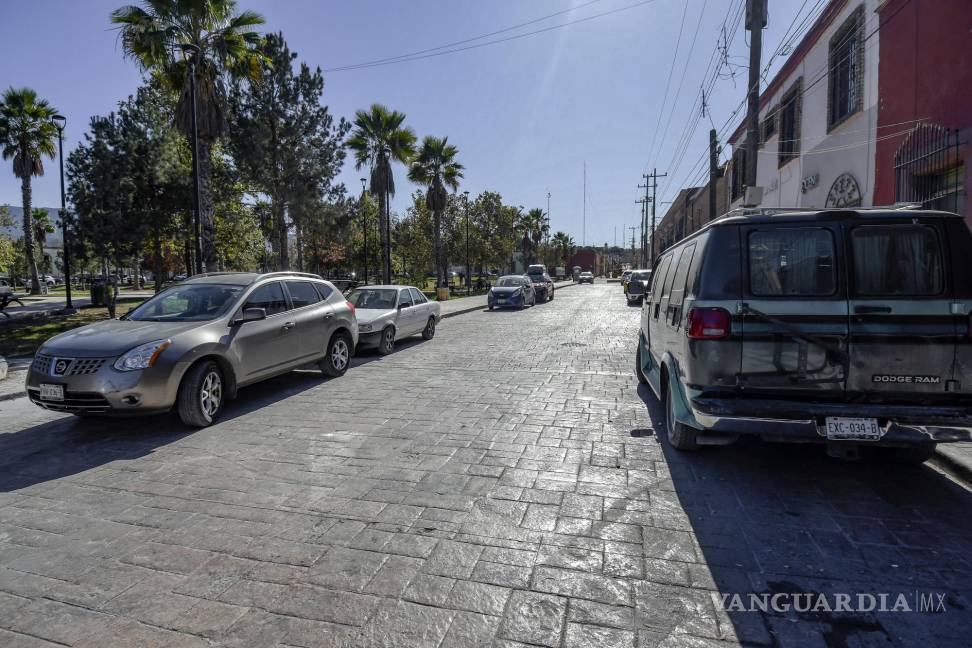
x: 925, y: 73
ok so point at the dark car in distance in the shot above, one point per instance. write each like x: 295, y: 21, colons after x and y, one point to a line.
x: 847, y: 327
x: 638, y: 283
x: 512, y: 291
x: 542, y: 283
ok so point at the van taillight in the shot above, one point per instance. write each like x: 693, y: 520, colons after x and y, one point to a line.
x: 708, y: 323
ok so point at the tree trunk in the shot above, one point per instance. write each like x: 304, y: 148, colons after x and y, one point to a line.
x: 385, y: 236
x: 29, y: 236
x: 207, y: 209
x: 280, y: 225
x: 299, y: 242
x: 440, y: 278
x: 158, y: 262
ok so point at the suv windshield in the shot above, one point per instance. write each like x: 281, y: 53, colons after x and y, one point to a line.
x: 374, y: 298
x: 187, y: 303
x: 641, y: 276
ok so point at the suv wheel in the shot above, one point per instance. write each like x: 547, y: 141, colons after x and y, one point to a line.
x: 387, y: 343
x: 681, y: 437
x: 429, y: 331
x: 201, y: 395
x: 337, y: 357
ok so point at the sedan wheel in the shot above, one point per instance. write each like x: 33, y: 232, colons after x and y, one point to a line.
x: 387, y: 344
x: 429, y: 331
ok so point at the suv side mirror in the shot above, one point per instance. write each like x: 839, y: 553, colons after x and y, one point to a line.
x: 251, y: 315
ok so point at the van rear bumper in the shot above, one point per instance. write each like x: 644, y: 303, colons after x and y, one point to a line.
x: 788, y: 420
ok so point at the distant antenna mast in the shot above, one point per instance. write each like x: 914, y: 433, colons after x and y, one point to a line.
x: 584, y: 221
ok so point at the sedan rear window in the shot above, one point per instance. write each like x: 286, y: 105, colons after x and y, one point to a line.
x: 791, y: 262
x: 897, y: 260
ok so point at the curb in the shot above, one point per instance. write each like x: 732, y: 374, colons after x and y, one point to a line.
x: 952, y: 466
x: 12, y: 396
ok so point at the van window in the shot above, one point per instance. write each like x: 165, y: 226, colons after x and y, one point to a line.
x: 791, y: 262
x: 659, y: 280
x: 897, y: 260
x: 678, y: 286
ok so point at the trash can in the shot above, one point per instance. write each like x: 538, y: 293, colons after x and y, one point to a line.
x: 442, y: 293
x: 99, y: 292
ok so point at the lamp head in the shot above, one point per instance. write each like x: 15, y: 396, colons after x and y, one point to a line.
x: 59, y: 121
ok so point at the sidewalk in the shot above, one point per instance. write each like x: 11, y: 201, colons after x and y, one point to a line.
x: 46, y: 304
x: 462, y: 305
x: 955, y: 459
x: 13, y: 385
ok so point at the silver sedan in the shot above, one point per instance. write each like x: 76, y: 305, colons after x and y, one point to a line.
x: 389, y: 313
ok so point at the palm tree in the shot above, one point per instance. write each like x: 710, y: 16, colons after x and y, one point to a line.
x: 26, y: 136
x: 435, y: 167
x: 172, y: 37
x: 534, y: 224
x: 379, y: 139
x: 565, y: 246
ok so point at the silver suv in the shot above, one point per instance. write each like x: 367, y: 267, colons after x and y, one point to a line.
x: 194, y: 344
x: 845, y: 327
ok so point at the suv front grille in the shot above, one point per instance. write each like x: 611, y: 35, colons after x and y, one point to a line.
x: 76, y: 366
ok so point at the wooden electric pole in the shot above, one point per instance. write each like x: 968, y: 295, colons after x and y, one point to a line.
x: 713, y: 172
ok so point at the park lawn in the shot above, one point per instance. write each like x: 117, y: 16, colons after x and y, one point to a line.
x: 24, y: 336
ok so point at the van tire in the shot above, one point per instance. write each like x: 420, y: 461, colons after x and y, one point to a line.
x: 914, y: 455
x: 642, y: 378
x: 680, y: 436
x: 195, y: 410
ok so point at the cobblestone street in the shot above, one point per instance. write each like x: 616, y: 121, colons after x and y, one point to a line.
x: 500, y: 485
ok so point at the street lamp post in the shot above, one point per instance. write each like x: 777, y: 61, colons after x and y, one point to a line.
x: 364, y: 228
x: 192, y: 60
x: 60, y: 121
x: 468, y: 275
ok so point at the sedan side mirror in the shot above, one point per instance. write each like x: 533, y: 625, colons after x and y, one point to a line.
x: 251, y: 315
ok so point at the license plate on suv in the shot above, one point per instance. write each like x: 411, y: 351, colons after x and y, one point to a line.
x: 51, y: 392
x: 853, y: 429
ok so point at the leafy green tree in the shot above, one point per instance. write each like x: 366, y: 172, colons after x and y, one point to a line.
x: 436, y: 168
x: 7, y: 250
x: 286, y: 144
x: 27, y: 135
x: 172, y: 37
x: 378, y: 139
x: 564, y: 244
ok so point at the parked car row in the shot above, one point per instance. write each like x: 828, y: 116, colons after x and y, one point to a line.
x: 520, y: 291
x: 192, y: 346
x: 845, y: 327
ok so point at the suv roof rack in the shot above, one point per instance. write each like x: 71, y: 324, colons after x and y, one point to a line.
x: 289, y: 273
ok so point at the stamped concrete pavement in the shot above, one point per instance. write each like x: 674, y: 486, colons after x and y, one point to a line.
x: 501, y: 485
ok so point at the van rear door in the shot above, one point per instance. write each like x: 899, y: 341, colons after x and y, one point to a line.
x: 903, y: 331
x: 794, y: 310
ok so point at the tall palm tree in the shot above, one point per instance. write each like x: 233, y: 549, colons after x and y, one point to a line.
x: 536, y: 227
x: 435, y: 167
x: 378, y: 139
x: 172, y: 37
x: 26, y: 136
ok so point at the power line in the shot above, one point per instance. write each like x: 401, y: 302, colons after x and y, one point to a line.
x: 406, y: 59
x: 668, y: 82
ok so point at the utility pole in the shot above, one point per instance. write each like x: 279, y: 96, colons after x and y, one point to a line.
x: 755, y: 23
x: 632, y: 228
x: 713, y: 172
x: 642, y: 230
x: 584, y: 225
x: 653, y: 185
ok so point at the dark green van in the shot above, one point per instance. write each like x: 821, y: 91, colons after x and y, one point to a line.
x: 845, y: 327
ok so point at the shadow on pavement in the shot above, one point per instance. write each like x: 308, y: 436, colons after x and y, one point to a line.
x: 70, y: 445
x: 786, y: 519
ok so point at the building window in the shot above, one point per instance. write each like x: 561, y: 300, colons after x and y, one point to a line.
x: 789, y: 115
x: 930, y: 169
x: 769, y: 125
x: 738, y: 176
x: 846, y: 65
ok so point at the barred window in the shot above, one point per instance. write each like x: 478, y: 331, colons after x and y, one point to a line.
x: 846, y: 66
x: 790, y: 117
x: 769, y: 124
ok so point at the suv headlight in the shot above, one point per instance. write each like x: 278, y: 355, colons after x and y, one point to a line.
x: 142, y: 357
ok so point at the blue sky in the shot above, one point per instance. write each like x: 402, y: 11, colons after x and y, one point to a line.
x: 526, y: 114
